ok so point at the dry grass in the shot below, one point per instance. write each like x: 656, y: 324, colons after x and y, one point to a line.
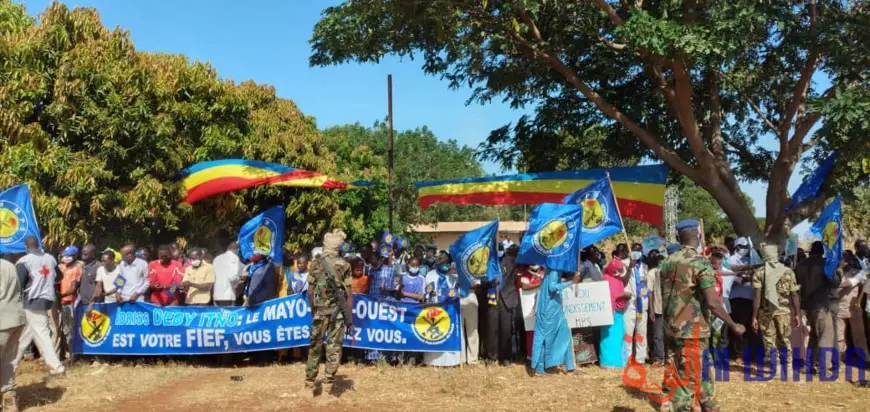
x: 175, y: 385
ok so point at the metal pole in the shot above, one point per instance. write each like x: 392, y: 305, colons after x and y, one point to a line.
x: 390, y: 147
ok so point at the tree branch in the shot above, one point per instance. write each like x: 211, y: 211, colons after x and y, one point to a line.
x: 607, y: 9
x: 661, y: 149
x: 799, y: 97
x: 715, y: 125
x: 688, y: 122
x: 770, y: 125
x: 611, y: 44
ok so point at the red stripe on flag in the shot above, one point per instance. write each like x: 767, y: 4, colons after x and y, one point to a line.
x: 219, y: 185
x: 633, y: 209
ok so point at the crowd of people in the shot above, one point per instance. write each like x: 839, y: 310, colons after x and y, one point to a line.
x: 777, y: 306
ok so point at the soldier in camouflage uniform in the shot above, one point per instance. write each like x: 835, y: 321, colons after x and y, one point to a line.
x: 688, y: 298
x: 326, y: 318
x: 777, y: 305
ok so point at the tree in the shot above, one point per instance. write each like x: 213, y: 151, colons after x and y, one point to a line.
x: 697, y: 85
x: 100, y: 132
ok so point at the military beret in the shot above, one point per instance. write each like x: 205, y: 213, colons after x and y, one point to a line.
x: 688, y: 224
x: 673, y: 248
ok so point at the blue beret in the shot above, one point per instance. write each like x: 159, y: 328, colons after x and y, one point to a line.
x: 673, y: 248
x: 687, y: 224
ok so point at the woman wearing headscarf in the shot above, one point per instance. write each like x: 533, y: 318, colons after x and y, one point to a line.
x: 611, y: 353
x: 552, y: 342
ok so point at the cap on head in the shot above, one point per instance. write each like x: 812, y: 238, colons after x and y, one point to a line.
x: 71, y: 251
x: 741, y: 242
x: 687, y: 224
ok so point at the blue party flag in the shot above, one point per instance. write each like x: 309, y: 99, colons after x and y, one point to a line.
x: 476, y: 255
x: 387, y: 239
x: 600, y: 215
x: 812, y: 184
x: 553, y: 239
x: 264, y: 235
x: 17, y: 220
x: 829, y: 227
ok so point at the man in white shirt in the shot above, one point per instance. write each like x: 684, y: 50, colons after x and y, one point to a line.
x: 132, y: 279
x: 106, y: 275
x: 36, y: 274
x: 228, y: 270
x: 741, y: 296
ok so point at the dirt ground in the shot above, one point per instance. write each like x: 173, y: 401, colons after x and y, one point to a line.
x: 195, y: 387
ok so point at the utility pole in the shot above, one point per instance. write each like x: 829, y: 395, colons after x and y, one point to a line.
x: 390, y: 147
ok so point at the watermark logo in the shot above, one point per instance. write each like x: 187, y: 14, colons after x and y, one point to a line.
x: 713, y: 365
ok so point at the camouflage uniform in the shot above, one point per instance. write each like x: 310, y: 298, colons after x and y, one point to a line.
x: 773, y: 322
x: 326, y: 318
x: 684, y: 276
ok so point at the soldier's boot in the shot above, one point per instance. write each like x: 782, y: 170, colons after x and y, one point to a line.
x: 310, y: 384
x: 10, y: 402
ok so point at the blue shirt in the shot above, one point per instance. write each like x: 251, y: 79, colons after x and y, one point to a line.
x: 413, y: 284
x: 382, y: 282
x: 263, y: 284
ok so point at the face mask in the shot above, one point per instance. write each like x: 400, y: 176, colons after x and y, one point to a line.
x: 430, y: 261
x: 636, y: 255
x: 743, y: 252
x: 67, y: 259
x: 414, y: 271
x: 443, y: 268
x: 195, y: 263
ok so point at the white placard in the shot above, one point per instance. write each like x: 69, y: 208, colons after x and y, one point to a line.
x: 528, y: 298
x: 587, y: 304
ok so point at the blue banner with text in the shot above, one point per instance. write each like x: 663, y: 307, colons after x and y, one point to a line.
x: 145, y: 329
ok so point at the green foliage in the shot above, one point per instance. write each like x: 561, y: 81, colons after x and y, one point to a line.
x: 694, y: 84
x: 418, y: 156
x: 100, y: 132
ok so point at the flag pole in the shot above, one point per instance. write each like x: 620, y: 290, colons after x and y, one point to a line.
x: 618, y: 212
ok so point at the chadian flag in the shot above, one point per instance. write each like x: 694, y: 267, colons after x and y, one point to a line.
x: 639, y: 190
x: 219, y: 176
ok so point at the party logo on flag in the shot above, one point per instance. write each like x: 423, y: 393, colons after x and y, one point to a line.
x: 265, y: 236
x: 475, y: 255
x: 556, y: 237
x: 476, y: 260
x: 594, y: 212
x: 553, y: 238
x: 17, y: 220
x: 13, y: 222
x: 829, y: 227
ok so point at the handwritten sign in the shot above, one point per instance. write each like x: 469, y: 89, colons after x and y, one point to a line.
x: 587, y: 305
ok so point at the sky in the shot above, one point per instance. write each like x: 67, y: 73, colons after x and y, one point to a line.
x: 267, y: 41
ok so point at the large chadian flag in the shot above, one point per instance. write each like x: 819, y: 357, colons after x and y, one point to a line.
x: 219, y: 176
x: 639, y: 190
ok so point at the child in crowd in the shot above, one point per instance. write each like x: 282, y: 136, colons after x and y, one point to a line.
x: 413, y: 290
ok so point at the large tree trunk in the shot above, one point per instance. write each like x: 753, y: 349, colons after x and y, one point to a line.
x: 732, y: 202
